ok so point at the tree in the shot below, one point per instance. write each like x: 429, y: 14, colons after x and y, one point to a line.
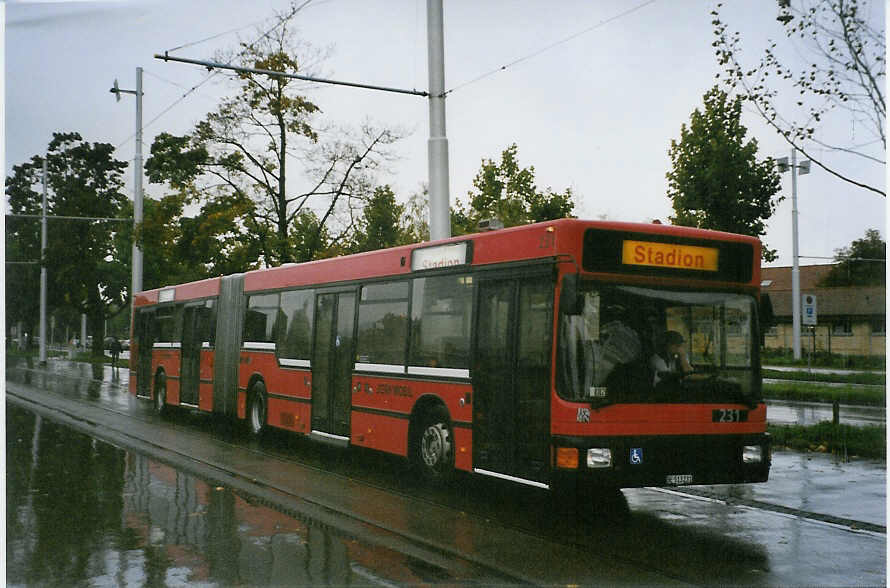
x: 382, y: 224
x: 508, y: 192
x: 716, y: 181
x: 85, y: 267
x: 23, y: 246
x: 845, y: 70
x: 247, y: 146
x: 182, y: 248
x: 861, y: 264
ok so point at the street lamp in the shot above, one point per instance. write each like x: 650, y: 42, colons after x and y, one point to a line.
x: 136, y: 283
x: 804, y: 168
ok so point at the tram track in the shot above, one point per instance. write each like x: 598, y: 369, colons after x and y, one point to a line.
x: 269, y: 494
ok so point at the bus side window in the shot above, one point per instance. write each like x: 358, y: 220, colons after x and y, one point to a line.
x: 295, y: 332
x: 168, y: 324
x: 441, y: 319
x: 260, y: 318
x: 383, y: 324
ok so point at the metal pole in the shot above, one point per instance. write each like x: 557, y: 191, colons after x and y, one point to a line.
x: 83, y: 331
x: 137, y: 190
x: 42, y: 354
x: 795, y: 270
x: 440, y: 215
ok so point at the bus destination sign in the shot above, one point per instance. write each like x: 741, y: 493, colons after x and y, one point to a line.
x: 670, y: 255
x: 439, y: 257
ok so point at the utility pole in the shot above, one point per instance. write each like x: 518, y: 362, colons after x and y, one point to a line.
x: 42, y: 355
x: 804, y: 167
x: 440, y: 210
x: 437, y: 145
x: 136, y: 281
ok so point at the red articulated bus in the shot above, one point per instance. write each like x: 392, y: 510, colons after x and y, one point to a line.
x: 610, y: 354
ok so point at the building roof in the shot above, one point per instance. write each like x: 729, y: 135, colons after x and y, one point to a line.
x: 779, y: 278
x: 835, y: 301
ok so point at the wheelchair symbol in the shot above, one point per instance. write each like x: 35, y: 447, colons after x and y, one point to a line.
x: 636, y: 456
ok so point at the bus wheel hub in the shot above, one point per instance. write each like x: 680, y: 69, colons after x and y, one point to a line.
x: 435, y: 445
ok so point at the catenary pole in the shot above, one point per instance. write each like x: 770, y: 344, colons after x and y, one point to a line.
x: 136, y: 263
x: 137, y: 190
x: 795, y: 269
x: 42, y: 356
x: 440, y: 216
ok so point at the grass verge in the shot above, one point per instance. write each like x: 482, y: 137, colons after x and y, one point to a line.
x: 872, y: 378
x: 825, y: 437
x: 810, y: 392
x: 823, y: 359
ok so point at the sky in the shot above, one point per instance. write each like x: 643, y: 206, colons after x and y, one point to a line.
x: 596, y: 112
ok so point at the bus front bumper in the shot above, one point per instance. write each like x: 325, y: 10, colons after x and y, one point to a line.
x: 632, y: 462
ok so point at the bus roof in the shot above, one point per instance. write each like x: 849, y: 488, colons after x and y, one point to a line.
x: 526, y: 242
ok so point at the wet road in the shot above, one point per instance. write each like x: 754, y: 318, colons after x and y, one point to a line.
x: 781, y: 412
x: 84, y: 512
x: 815, y: 522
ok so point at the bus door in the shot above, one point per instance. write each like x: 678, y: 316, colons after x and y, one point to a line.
x: 190, y: 354
x: 511, y: 378
x: 332, y: 362
x: 144, y: 341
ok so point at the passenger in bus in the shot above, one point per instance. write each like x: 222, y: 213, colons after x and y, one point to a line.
x: 670, y: 359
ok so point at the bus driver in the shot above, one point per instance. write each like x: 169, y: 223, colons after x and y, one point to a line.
x: 669, y: 357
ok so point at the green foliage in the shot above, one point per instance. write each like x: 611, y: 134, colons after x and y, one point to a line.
x: 857, y: 265
x: 182, y: 248
x: 716, y: 181
x: 382, y: 223
x: 870, y: 441
x: 818, y: 392
x: 311, y: 240
x: 86, y: 259
x: 870, y: 378
x: 508, y: 192
x: 784, y: 356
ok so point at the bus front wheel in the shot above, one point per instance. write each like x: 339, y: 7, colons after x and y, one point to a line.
x: 434, y: 446
x: 256, y: 413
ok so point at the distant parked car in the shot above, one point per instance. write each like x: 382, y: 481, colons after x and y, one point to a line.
x: 125, y: 344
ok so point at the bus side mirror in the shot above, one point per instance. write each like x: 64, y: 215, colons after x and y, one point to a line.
x: 570, y: 300
x: 767, y: 318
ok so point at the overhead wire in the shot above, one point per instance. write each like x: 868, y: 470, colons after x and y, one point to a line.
x: 209, y: 76
x: 552, y: 45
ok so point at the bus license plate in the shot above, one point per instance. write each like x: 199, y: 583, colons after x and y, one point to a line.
x: 729, y: 415
x: 679, y: 479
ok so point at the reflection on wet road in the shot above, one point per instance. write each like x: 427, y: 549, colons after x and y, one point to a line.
x: 786, y: 412
x: 81, y: 511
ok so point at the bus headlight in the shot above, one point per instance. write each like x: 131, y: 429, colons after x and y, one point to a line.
x: 599, y: 457
x: 752, y: 454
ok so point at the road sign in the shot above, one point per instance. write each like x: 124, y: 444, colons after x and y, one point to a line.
x: 809, y: 315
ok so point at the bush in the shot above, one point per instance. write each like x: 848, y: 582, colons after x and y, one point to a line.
x: 870, y: 441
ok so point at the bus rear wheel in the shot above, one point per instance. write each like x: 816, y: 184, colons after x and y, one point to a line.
x: 161, y: 394
x: 256, y: 412
x: 434, y: 446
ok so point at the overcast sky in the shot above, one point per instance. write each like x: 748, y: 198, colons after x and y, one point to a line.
x: 596, y: 113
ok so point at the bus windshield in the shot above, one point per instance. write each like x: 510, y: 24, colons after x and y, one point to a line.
x: 634, y: 344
